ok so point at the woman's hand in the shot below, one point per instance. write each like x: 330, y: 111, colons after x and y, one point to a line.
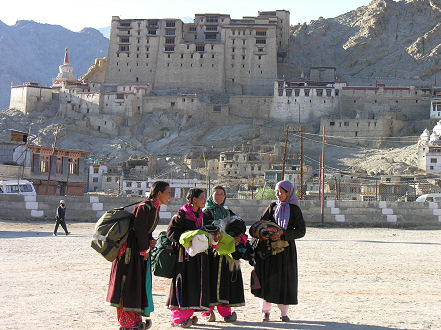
x: 276, y: 236
x: 217, y: 236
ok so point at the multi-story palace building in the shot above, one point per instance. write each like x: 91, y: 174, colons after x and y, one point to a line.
x: 215, y: 53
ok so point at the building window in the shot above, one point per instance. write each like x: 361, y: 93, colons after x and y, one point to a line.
x: 44, y: 164
x: 332, y: 123
x: 95, y: 170
x: 170, y: 32
x: 346, y: 123
x: 433, y: 160
x: 129, y: 184
x: 170, y: 40
x: 169, y: 48
x: 200, y: 48
x: 95, y: 179
x: 260, y: 41
x: 59, y: 165
x: 217, y: 108
x: 306, y: 91
x: 261, y: 33
x: 109, y: 179
x: 73, y: 166
x: 319, y: 92
x: 170, y: 24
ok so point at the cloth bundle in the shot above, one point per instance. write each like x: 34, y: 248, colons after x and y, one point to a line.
x: 264, y: 229
x: 198, y: 244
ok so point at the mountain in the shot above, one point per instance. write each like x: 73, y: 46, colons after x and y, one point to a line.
x: 392, y: 40
x: 105, y: 31
x: 32, y: 51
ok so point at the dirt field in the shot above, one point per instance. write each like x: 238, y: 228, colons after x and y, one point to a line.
x: 349, y: 279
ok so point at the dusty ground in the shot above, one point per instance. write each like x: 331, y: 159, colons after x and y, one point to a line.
x: 349, y: 279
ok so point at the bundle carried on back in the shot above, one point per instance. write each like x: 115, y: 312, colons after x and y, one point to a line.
x: 111, y: 231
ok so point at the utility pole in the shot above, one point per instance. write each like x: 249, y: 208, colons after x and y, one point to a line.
x: 301, y: 162
x: 299, y: 157
x: 284, y: 153
x: 323, y: 177
x: 207, y: 178
x: 50, y: 161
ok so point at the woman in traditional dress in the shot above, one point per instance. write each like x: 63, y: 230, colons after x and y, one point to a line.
x: 277, y: 274
x: 130, y: 285
x: 225, y: 274
x: 190, y: 287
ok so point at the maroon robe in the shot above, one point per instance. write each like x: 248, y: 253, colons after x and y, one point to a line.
x: 128, y: 273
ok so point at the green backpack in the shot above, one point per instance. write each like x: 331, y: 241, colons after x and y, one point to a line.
x: 111, y: 231
x: 164, y: 257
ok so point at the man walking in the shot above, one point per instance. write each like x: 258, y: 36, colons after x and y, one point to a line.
x: 60, y: 218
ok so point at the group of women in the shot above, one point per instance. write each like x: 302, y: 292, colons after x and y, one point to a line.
x: 209, y: 278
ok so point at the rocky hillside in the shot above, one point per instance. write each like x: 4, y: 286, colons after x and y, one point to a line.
x: 32, y: 51
x: 392, y: 40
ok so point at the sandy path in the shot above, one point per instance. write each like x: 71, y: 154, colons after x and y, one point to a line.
x: 349, y: 279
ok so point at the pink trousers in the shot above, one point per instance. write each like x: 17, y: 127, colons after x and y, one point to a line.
x: 181, y: 315
x: 223, y: 311
x: 265, y: 307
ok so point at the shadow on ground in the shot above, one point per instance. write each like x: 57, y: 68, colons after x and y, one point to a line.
x: 297, y: 324
x: 23, y: 234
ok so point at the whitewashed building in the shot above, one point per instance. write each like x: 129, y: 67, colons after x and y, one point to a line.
x: 429, y: 150
x: 96, y: 172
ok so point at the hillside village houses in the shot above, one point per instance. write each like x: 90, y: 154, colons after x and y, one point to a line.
x: 221, y: 70
x: 53, y: 171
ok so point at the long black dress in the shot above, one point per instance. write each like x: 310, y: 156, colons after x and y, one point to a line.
x: 190, y: 287
x: 278, y: 274
x: 226, y: 285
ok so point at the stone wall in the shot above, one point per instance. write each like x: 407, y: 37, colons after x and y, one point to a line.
x: 29, y: 98
x: 411, y: 101
x: 90, y: 208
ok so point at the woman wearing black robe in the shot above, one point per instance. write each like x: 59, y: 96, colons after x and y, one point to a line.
x: 190, y: 287
x: 226, y: 286
x: 277, y: 275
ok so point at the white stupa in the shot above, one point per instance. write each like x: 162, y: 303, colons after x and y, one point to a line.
x: 66, y: 72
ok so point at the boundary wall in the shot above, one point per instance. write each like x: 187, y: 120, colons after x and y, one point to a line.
x: 351, y: 213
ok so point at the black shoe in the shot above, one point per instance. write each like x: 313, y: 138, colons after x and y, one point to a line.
x: 68, y: 233
x: 54, y: 234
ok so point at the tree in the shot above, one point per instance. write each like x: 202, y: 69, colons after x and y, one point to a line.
x: 268, y: 194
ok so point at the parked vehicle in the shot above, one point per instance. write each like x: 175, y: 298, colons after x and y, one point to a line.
x: 429, y: 198
x: 18, y: 187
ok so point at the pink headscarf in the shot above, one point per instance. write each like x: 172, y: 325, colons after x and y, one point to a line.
x: 190, y: 214
x: 282, y: 213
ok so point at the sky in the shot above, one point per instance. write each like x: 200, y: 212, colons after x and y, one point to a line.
x: 77, y: 14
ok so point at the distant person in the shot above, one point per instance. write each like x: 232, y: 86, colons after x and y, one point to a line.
x: 276, y: 273
x: 60, y: 218
x: 130, y: 283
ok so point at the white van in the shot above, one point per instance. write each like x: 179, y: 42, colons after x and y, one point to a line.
x: 429, y: 198
x: 19, y: 187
